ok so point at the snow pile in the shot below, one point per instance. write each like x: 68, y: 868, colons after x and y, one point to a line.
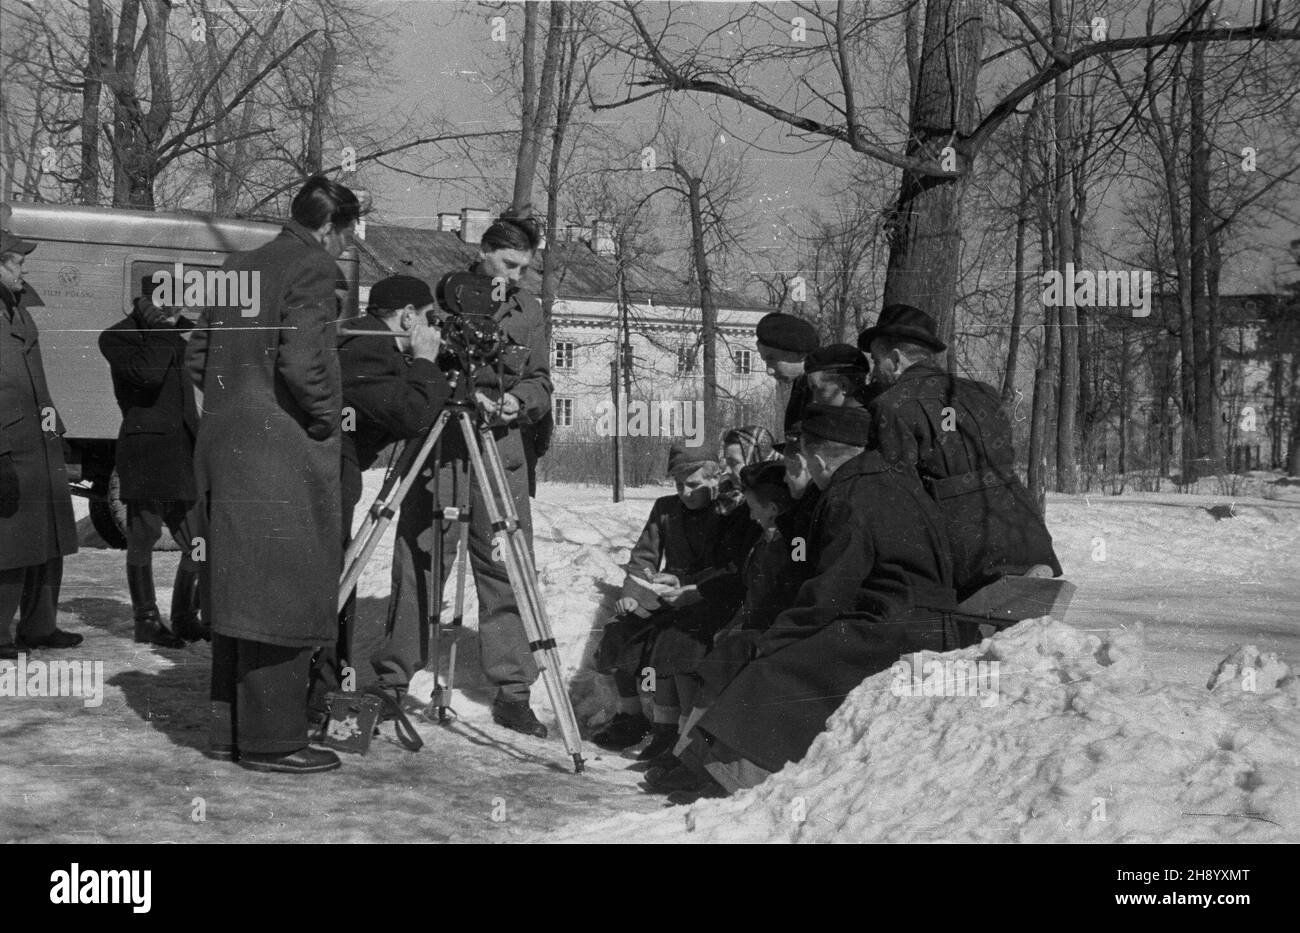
x: 1078, y: 743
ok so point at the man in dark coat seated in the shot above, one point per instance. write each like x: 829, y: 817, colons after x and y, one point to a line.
x: 953, y: 434
x: 881, y: 587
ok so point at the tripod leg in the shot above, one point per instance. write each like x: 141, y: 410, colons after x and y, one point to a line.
x: 500, y: 505
x: 433, y: 580
x: 380, y: 515
x: 462, y: 566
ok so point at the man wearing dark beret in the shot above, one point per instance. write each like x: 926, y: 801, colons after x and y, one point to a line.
x: 395, y: 391
x: 880, y: 584
x: 953, y: 434
x: 784, y: 342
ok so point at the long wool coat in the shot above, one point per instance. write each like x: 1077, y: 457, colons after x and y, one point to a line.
x: 268, y: 452
x: 881, y: 581
x: 953, y: 434
x: 36, y: 520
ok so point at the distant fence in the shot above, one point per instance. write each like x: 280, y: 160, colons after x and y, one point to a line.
x: 591, y: 460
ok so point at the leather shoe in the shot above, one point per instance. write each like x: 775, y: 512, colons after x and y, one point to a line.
x: 55, y: 639
x: 153, y: 632
x: 518, y: 716
x: 8, y: 652
x: 306, y: 760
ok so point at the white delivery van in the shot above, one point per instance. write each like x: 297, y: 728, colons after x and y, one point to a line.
x: 82, y: 277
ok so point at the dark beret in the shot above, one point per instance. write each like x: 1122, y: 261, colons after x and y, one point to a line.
x: 398, y: 291
x: 787, y: 332
x: 846, y: 425
x: 837, y: 358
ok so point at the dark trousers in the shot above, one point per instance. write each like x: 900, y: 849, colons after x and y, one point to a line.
x: 507, y: 662
x: 327, y: 666
x: 33, y: 592
x: 259, y: 695
x: 145, y: 519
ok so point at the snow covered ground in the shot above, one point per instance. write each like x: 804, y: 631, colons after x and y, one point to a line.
x: 1093, y: 719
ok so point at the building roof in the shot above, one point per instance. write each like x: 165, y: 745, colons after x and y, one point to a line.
x: 583, y: 275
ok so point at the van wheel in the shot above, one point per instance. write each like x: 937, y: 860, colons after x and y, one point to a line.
x: 108, y: 511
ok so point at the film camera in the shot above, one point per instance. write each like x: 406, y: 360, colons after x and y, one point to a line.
x: 469, y: 316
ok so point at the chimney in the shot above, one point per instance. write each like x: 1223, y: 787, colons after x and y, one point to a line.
x: 474, y: 222
x: 448, y: 222
x: 602, y: 240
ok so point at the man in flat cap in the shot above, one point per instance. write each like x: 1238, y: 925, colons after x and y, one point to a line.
x: 784, y: 342
x: 37, y: 529
x: 880, y: 585
x: 837, y: 375
x: 393, y: 386
x: 953, y: 434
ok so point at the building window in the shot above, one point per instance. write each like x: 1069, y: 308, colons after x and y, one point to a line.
x: 744, y: 362
x: 685, y: 361
x: 562, y: 355
x: 563, y: 412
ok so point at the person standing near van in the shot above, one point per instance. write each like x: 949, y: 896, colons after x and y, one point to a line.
x: 155, y: 462
x: 267, y: 465
x: 37, y: 528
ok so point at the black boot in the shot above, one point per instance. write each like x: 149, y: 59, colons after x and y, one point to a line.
x: 623, y: 731
x: 663, y: 736
x: 185, y: 607
x: 517, y: 715
x: 144, y: 604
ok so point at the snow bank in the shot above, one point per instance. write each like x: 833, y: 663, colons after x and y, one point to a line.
x: 1078, y: 744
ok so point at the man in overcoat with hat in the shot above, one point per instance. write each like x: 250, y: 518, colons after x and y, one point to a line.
x: 880, y: 586
x: 953, y: 434
x: 37, y: 529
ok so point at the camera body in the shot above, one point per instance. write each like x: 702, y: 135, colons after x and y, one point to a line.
x: 471, y: 332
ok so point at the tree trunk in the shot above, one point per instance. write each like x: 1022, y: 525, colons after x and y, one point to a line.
x: 1067, y: 401
x: 1018, y: 296
x: 99, y: 58
x: 1199, y: 221
x: 925, y: 227
x: 321, y: 95
x: 537, y: 101
x: 708, y: 306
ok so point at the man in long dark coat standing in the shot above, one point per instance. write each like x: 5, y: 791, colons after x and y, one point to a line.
x: 267, y: 464
x: 155, y: 462
x: 37, y: 529
x: 953, y: 434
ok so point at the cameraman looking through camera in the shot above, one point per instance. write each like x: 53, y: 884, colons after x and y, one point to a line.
x: 396, y: 392
x: 522, y: 394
